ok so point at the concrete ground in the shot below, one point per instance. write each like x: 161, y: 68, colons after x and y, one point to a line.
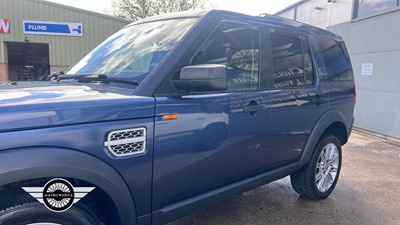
x: 368, y: 193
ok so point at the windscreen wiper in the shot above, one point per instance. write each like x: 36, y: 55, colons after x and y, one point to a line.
x: 87, y: 78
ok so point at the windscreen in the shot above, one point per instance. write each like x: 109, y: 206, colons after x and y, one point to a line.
x: 134, y: 51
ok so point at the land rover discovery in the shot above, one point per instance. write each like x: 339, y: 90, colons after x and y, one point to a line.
x: 172, y: 114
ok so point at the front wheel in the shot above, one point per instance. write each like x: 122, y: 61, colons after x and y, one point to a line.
x: 37, y: 213
x: 318, y: 178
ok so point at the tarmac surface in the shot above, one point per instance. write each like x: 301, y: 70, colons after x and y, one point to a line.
x: 367, y: 193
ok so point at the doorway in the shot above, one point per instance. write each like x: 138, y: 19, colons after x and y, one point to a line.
x: 28, y: 61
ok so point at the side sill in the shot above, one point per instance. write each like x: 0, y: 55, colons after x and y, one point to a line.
x: 179, y: 209
x: 144, y: 220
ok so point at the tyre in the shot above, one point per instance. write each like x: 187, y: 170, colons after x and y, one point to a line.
x: 318, y: 178
x: 37, y: 213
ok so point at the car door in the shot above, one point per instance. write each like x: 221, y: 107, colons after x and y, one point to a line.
x: 206, y: 140
x: 297, y: 98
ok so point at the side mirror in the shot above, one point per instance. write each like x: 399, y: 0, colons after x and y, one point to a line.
x: 207, y: 77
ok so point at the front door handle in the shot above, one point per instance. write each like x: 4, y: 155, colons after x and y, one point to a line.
x: 253, y: 107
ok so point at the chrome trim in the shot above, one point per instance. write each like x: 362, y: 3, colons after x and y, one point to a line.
x: 126, y: 142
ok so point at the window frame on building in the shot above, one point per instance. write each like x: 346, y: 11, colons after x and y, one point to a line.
x: 356, y: 6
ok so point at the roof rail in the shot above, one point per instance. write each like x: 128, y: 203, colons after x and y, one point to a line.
x: 278, y: 19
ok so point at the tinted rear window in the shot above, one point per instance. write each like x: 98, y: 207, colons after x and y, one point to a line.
x: 337, y: 62
x: 292, y: 61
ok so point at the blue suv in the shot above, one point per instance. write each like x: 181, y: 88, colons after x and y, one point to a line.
x: 174, y: 113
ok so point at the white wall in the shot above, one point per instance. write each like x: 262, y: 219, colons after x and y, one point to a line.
x: 320, y: 13
x: 289, y: 14
x: 307, y: 13
x: 375, y: 40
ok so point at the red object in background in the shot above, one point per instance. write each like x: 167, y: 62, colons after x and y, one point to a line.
x: 4, y: 26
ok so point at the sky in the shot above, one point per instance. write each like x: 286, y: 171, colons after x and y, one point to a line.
x: 252, y: 7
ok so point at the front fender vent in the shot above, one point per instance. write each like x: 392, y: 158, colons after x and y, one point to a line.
x: 126, y: 142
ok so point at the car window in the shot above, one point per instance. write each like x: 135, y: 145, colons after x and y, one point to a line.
x: 237, y: 47
x: 337, y: 61
x: 292, y: 64
x: 134, y: 51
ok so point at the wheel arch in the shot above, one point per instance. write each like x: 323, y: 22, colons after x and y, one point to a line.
x: 18, y: 165
x: 331, y: 122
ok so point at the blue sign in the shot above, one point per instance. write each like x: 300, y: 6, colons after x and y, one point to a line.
x: 53, y: 28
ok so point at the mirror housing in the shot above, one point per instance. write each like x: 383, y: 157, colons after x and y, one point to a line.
x: 206, y: 77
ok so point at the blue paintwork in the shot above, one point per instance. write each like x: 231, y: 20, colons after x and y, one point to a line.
x: 77, y: 117
x: 211, y: 144
x: 69, y: 104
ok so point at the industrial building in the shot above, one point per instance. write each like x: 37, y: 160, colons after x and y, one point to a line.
x: 39, y: 37
x: 370, y: 29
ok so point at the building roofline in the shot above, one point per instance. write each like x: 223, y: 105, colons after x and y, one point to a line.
x: 290, y: 7
x: 46, y: 2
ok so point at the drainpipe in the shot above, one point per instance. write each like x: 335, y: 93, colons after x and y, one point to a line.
x: 328, y: 21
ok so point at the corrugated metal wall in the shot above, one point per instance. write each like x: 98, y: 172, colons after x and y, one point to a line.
x: 319, y: 13
x: 64, y: 50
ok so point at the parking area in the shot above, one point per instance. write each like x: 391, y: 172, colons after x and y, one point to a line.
x: 368, y: 193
